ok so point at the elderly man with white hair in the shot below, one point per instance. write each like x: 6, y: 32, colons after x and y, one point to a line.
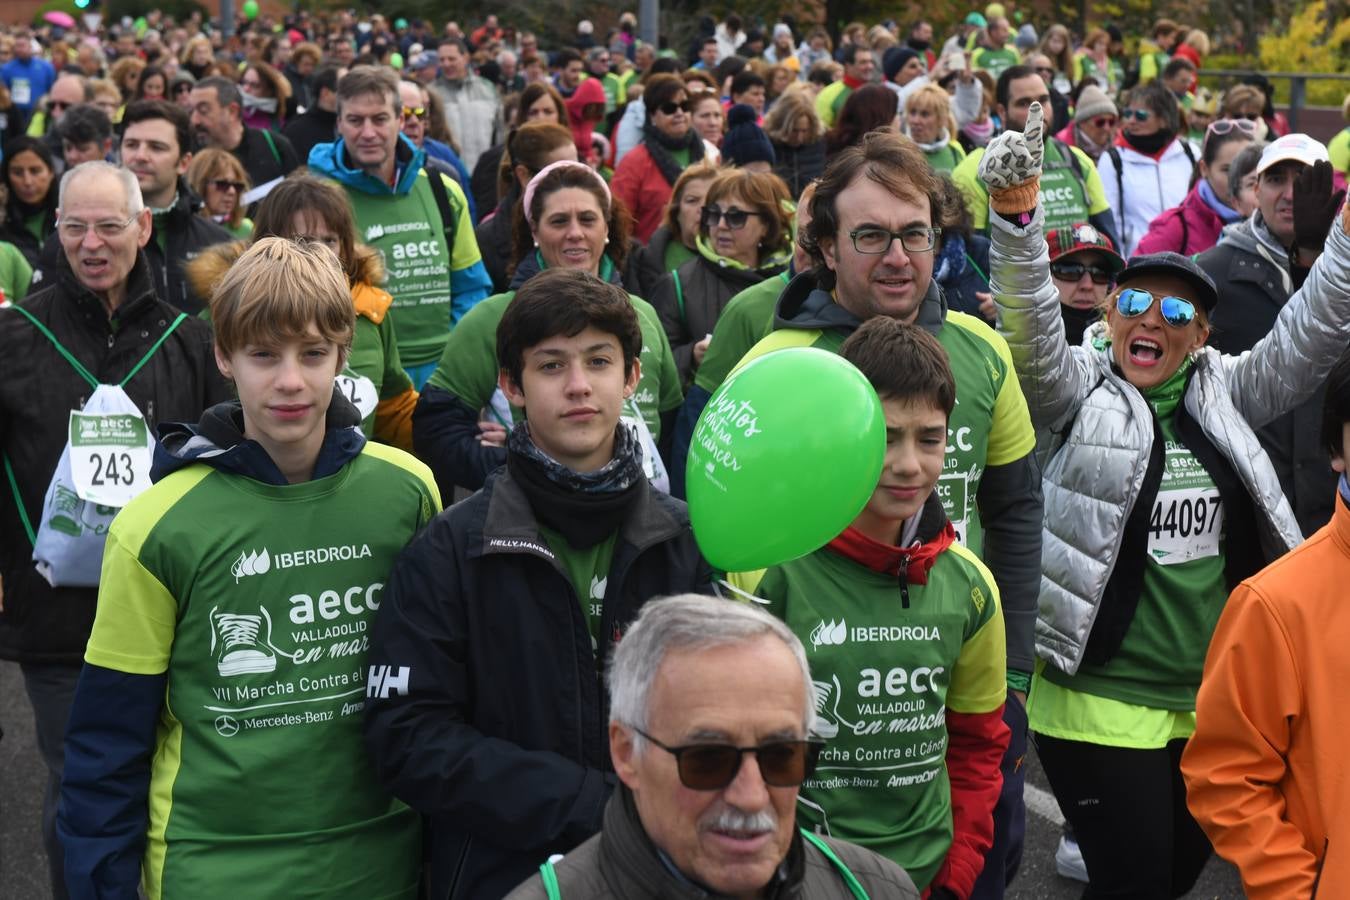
x: 711, y: 704
x: 95, y: 325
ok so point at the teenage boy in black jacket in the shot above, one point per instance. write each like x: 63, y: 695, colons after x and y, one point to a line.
x: 485, y: 704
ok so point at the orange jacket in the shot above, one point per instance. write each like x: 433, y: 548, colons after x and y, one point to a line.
x: 1266, y: 770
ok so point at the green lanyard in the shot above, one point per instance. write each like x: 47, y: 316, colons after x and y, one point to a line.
x: 87, y: 376
x: 553, y: 892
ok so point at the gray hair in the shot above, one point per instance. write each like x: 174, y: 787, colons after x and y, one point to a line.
x: 688, y: 622
x: 1243, y: 165
x: 131, y: 188
x: 227, y: 91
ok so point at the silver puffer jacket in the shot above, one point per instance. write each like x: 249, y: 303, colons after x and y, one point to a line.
x: 1100, y: 430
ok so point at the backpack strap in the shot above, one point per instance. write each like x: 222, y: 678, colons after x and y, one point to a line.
x: 550, y: 879
x: 679, y: 295
x: 153, y: 347
x: 1113, y: 152
x: 271, y: 144
x: 443, y: 204
x: 854, y: 885
x: 60, y: 348
x: 18, y: 502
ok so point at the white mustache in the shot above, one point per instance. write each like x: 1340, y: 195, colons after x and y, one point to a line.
x: 729, y: 818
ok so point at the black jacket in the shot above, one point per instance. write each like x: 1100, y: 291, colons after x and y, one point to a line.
x: 798, y: 166
x: 622, y: 863
x: 265, y: 160
x: 1251, y: 295
x: 496, y: 243
x: 185, y: 233
x: 315, y: 126
x: 483, y: 181
x: 38, y: 390
x: 499, y: 732
x: 651, y: 262
x: 16, y: 232
x: 690, y: 309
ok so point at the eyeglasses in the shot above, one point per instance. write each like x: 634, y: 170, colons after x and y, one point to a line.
x: 55, y: 105
x: 75, y: 230
x: 1104, y: 122
x: 1134, y: 302
x: 1139, y: 115
x: 735, y: 218
x: 416, y: 112
x: 876, y: 241
x: 1223, y: 126
x: 670, y: 108
x: 225, y: 184
x: 711, y: 767
x: 1072, y: 271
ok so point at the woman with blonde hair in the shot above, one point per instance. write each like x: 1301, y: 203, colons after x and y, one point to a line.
x: 744, y: 237
x: 1057, y: 45
x: 930, y: 124
x: 303, y: 207
x: 798, y: 138
x: 264, y: 92
x: 1093, y: 60
x: 219, y: 179
x: 675, y: 242
x: 126, y: 74
x: 198, y: 56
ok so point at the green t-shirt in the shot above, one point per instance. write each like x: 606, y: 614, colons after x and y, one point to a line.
x: 1338, y: 149
x: 676, y: 255
x: 995, y: 61
x: 990, y: 425
x: 747, y: 318
x: 374, y: 370
x: 885, y: 677
x: 1066, y: 199
x: 15, y: 272
x: 255, y: 601
x: 469, y: 367
x: 1162, y: 656
x: 588, y: 570
x: 406, y: 229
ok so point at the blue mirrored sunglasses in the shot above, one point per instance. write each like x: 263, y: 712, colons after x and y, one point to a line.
x: 1178, y: 313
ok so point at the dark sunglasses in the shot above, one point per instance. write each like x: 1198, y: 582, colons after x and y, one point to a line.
x: 58, y: 104
x: 711, y: 767
x: 225, y: 184
x: 670, y: 107
x: 1104, y: 122
x: 736, y: 218
x: 1139, y: 115
x: 1134, y: 302
x: 1072, y: 271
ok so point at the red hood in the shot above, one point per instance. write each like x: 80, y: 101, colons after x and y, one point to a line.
x: 588, y: 92
x: 911, y: 563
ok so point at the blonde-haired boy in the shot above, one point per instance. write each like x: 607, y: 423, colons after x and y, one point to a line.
x: 215, y: 741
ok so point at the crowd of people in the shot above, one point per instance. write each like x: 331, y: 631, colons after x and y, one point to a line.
x: 274, y: 295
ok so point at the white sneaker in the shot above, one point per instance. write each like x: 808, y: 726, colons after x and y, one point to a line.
x: 1069, y: 860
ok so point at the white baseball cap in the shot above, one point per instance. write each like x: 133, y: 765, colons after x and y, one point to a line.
x: 1296, y: 147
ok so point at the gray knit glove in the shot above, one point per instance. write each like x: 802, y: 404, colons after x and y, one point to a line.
x: 1011, y: 166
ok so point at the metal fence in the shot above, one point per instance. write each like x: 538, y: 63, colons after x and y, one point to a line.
x: 1298, y: 85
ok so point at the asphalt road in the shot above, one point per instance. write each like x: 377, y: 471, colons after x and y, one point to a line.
x: 23, y: 873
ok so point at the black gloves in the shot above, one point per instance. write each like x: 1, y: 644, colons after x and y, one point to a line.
x: 1315, y: 206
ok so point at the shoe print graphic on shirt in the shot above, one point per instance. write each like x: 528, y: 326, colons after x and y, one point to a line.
x: 827, y: 696
x: 238, y: 646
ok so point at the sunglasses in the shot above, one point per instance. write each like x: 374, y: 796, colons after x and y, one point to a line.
x: 1133, y: 302
x: 1139, y: 115
x: 1223, y: 126
x: 735, y: 218
x: 416, y: 112
x: 225, y: 184
x: 1072, y: 271
x: 670, y: 108
x: 58, y: 104
x: 1104, y: 122
x: 711, y: 767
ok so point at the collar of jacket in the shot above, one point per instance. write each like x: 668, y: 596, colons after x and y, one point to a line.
x: 636, y: 863
x: 140, y: 293
x: 332, y: 160
x: 913, y: 563
x: 804, y: 305
x: 771, y: 266
x: 509, y: 525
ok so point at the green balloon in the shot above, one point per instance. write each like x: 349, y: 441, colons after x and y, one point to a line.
x: 785, y: 455
x: 396, y: 61
x: 250, y: 9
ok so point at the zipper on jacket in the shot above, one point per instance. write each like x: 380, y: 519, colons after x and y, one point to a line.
x: 903, y: 577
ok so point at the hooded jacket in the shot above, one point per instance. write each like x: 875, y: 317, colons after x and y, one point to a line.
x: 992, y: 475
x: 798, y: 165
x: 1103, y: 431
x: 374, y: 353
x: 201, y: 616
x: 433, y: 269
x: 1144, y: 187
x: 1255, y: 279
x: 622, y: 863
x: 644, y: 190
x: 690, y: 299
x: 588, y: 92
x: 177, y: 236
x: 473, y: 110
x: 499, y: 736
x: 42, y: 624
x: 1265, y: 769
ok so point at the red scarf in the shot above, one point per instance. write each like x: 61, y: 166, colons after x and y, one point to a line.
x: 853, y: 83
x: 910, y: 563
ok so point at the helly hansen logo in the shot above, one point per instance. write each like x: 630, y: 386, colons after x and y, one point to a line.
x: 386, y: 681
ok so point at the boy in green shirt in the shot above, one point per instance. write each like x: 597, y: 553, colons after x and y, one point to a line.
x: 214, y: 742
x: 904, y: 632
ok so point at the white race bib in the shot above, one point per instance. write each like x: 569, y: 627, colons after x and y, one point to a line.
x: 652, y: 466
x: 360, y: 390
x: 21, y: 92
x: 109, y: 449
x: 1185, y: 525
